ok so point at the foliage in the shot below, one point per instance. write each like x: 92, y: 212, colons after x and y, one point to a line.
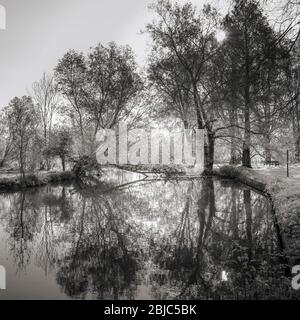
x: 60, y: 146
x: 99, y: 87
x: 22, y: 124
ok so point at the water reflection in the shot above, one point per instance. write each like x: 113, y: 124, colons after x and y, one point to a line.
x: 138, y: 238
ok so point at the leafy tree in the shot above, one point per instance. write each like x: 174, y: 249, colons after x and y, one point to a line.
x: 22, y: 123
x: 172, y: 85
x: 293, y: 91
x: 254, y: 46
x: 100, y: 86
x: 6, y: 142
x: 60, y: 146
x: 70, y: 74
x: 187, y: 38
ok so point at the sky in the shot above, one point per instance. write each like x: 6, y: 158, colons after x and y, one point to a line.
x: 39, y: 32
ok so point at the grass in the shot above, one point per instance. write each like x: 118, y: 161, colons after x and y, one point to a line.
x: 284, y: 193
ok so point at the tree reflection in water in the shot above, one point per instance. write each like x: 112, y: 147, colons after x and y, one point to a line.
x: 201, y: 238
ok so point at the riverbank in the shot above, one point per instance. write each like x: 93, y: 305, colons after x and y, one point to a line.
x: 285, y: 196
x: 14, y: 182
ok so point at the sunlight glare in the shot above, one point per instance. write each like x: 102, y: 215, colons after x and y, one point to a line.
x: 220, y: 35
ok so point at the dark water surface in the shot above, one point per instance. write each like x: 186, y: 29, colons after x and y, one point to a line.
x: 185, y: 239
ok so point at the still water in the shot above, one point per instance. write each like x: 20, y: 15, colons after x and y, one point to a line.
x: 136, y: 238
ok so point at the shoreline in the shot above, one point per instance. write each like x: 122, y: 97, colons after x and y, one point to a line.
x: 17, y: 183
x: 285, y: 204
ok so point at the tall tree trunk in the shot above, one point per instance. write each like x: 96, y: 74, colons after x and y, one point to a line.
x: 297, y: 148
x: 297, y: 131
x: 248, y: 210
x: 63, y: 163
x: 233, y: 119
x: 268, y: 155
x: 247, y: 128
x: 21, y: 155
x: 210, y: 153
x: 209, y: 145
x: 247, y: 135
x: 234, y: 157
x: 83, y: 144
x: 235, y: 214
x: 267, y: 131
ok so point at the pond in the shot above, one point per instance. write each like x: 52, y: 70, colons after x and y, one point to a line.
x: 142, y: 238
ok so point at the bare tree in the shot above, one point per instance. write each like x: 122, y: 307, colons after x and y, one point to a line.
x: 45, y: 97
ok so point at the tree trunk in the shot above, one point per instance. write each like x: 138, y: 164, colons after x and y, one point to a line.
x: 248, y: 210
x: 209, y: 153
x: 83, y: 145
x: 247, y: 100
x: 21, y: 154
x: 209, y: 146
x: 234, y: 157
x: 297, y: 148
x: 235, y: 214
x: 247, y: 135
x: 268, y: 155
x: 63, y: 163
x: 297, y: 131
x: 233, y: 118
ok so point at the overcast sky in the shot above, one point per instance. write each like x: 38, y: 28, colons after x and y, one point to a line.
x: 39, y: 32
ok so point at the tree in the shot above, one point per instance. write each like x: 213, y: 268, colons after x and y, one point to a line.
x: 188, y: 38
x: 70, y: 74
x: 271, y: 100
x: 254, y: 46
x: 45, y: 96
x: 22, y: 123
x: 293, y: 91
x: 100, y: 86
x: 289, y: 22
x: 6, y: 142
x: 172, y: 86
x: 60, y: 146
x: 113, y: 83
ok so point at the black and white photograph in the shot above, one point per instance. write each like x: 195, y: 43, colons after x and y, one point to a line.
x: 150, y: 151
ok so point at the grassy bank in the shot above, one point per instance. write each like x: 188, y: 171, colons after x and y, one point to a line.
x: 244, y: 175
x: 285, y: 196
x: 16, y: 182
